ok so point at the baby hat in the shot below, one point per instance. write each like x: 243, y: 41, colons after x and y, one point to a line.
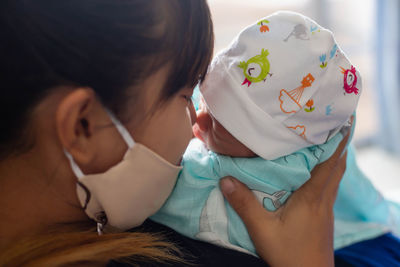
x: 283, y: 84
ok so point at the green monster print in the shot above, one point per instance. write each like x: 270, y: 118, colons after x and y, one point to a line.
x: 256, y: 68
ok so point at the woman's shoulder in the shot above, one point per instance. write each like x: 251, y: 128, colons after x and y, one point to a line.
x: 196, y: 252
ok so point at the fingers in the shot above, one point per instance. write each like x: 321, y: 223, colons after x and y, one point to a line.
x: 337, y: 175
x: 325, y: 177
x: 337, y: 164
x: 243, y: 202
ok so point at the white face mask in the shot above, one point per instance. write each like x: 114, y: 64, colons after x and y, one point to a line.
x: 129, y: 192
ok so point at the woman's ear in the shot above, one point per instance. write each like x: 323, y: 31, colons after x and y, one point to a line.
x: 75, y: 123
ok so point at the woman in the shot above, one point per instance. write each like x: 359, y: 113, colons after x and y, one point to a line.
x: 70, y: 70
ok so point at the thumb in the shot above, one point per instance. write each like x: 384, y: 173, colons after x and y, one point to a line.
x: 243, y: 201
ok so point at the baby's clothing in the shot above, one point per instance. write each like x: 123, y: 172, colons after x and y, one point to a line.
x: 197, y: 209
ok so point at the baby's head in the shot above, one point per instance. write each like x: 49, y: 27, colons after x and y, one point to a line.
x: 216, y: 137
x: 283, y: 84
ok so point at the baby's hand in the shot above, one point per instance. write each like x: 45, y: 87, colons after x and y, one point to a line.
x: 300, y: 233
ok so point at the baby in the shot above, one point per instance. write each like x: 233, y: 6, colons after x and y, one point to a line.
x: 274, y: 105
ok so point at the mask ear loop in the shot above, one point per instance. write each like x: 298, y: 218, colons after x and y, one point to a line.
x: 101, y: 217
x: 121, y: 129
x: 79, y: 174
x: 75, y: 168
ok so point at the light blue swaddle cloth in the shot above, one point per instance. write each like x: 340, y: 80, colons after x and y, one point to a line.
x: 197, y: 209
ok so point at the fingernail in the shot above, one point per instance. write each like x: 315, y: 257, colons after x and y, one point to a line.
x: 227, y: 186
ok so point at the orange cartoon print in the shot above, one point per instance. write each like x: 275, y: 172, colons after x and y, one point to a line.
x: 263, y: 27
x: 309, y: 104
x: 290, y: 101
x: 299, y: 130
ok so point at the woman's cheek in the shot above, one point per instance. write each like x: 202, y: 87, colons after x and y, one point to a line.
x: 182, y: 134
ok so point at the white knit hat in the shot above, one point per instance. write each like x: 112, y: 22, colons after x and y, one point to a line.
x: 283, y: 84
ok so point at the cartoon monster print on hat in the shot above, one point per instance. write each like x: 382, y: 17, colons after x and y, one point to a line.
x: 256, y: 69
x: 350, y: 80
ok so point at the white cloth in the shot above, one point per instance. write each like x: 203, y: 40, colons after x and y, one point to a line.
x: 283, y: 84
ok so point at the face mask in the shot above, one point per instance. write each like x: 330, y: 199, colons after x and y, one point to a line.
x: 129, y: 192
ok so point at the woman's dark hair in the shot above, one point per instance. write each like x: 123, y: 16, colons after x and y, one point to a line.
x: 107, y: 45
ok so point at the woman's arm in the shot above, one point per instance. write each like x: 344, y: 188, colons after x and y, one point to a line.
x: 301, y: 232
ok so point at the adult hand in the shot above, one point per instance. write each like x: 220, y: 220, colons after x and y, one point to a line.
x: 300, y: 233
